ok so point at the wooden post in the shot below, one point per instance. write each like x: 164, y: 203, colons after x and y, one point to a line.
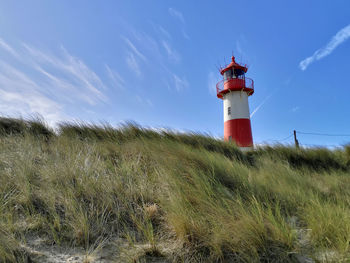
x: 295, y: 139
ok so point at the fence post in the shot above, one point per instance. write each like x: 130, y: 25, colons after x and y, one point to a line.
x: 295, y: 139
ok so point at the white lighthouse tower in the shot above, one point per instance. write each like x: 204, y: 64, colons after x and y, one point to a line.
x: 234, y: 90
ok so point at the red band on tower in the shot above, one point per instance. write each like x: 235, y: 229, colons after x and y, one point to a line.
x: 239, y: 131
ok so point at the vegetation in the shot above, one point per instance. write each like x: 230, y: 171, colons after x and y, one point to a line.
x: 186, y: 197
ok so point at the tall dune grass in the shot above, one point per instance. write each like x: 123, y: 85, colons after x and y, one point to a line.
x: 201, y: 198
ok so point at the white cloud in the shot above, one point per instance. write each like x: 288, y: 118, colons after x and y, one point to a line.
x: 164, y: 32
x: 21, y: 96
x: 133, y: 55
x: 147, y: 42
x: 8, y: 48
x: 134, y: 49
x: 161, y: 30
x: 82, y: 81
x: 117, y: 81
x: 83, y: 73
x: 68, y: 91
x: 46, y: 84
x: 30, y: 104
x: 341, y: 36
x: 177, y: 14
x: 172, y: 54
x: 153, y: 56
x: 180, y: 83
x: 133, y: 64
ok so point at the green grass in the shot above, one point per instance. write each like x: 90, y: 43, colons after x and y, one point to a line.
x: 201, y: 197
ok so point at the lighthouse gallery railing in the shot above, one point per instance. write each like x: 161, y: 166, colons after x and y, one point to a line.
x: 235, y: 84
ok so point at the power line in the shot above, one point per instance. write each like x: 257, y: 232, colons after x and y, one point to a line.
x: 320, y: 145
x: 280, y: 140
x: 321, y: 134
x: 289, y: 136
x: 311, y: 133
x: 324, y: 134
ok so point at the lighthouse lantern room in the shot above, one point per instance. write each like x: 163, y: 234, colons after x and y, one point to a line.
x: 234, y: 90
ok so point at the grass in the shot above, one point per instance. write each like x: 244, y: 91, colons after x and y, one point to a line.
x: 185, y: 197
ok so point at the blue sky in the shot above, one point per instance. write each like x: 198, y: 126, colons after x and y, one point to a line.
x: 155, y: 62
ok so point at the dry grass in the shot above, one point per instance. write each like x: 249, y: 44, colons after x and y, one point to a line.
x: 207, y: 199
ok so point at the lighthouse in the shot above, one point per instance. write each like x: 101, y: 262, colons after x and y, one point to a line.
x: 234, y: 90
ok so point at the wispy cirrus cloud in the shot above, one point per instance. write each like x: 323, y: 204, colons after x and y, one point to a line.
x: 160, y: 30
x: 117, y: 81
x: 134, y: 55
x: 180, y: 82
x: 340, y: 37
x: 74, y: 74
x: 21, y: 96
x: 8, y: 48
x: 134, y: 49
x: 133, y: 64
x: 46, y: 84
x: 152, y: 55
x: 172, y: 53
x: 164, y: 32
x: 177, y: 14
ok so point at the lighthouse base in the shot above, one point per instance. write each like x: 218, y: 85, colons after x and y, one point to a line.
x: 240, y: 132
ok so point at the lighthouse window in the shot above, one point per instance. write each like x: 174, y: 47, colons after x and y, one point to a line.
x: 238, y: 72
x: 228, y: 74
x: 229, y: 110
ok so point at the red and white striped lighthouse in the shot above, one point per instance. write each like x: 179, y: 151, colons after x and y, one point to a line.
x: 234, y: 90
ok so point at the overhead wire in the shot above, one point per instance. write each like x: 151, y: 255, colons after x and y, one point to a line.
x: 312, y: 133
x: 280, y: 140
x: 320, y: 145
x: 324, y: 134
x: 286, y: 138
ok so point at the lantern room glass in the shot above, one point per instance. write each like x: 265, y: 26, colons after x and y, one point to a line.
x: 228, y: 75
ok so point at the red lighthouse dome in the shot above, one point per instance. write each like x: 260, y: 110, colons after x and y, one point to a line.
x: 234, y: 79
